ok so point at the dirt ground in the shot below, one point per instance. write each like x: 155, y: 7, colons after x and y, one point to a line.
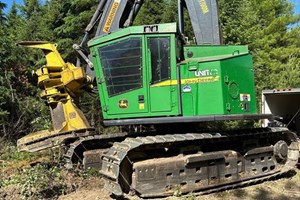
x: 285, y: 188
x: 89, y: 189
x: 79, y: 187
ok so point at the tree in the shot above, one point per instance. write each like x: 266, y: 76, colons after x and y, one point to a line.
x: 4, y: 94
x: 286, y: 61
x: 70, y: 26
x: 231, y: 18
x: 265, y: 26
x: 171, y: 15
x: 272, y: 45
x: 20, y: 104
x: 2, y: 15
x: 151, y: 13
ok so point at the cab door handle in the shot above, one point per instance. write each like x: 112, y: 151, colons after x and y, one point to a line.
x: 141, y: 98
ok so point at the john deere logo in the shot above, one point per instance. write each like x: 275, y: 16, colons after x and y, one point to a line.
x: 123, y: 104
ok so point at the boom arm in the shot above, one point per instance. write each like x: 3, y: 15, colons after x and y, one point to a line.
x: 205, y: 20
x: 112, y: 15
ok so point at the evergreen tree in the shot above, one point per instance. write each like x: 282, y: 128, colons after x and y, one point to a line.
x: 270, y: 42
x: 151, y: 13
x: 71, y: 24
x: 33, y: 28
x: 231, y: 18
x: 265, y: 26
x: 2, y: 15
x: 22, y: 111
x: 4, y: 93
x: 170, y: 15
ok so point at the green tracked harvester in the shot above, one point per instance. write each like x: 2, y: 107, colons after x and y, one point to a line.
x: 158, y: 88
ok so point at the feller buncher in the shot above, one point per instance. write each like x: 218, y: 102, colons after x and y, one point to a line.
x: 148, y: 76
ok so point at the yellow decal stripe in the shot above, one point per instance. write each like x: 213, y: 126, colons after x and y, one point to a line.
x: 111, y: 16
x: 187, y: 81
x: 165, y: 83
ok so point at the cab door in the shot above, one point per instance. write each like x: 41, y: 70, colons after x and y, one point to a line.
x: 123, y: 89
x: 163, y: 88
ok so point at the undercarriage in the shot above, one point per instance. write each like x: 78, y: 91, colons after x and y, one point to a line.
x: 158, y: 165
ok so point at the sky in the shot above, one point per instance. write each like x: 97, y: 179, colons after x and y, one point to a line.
x: 9, y: 2
x: 297, y: 8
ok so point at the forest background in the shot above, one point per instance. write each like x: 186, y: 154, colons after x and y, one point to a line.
x: 270, y: 28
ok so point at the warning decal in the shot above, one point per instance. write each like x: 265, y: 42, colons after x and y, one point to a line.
x: 111, y: 16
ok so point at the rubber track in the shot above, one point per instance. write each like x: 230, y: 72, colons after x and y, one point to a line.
x: 112, y: 160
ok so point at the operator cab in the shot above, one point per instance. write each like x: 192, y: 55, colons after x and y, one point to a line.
x: 146, y: 72
x: 137, y: 65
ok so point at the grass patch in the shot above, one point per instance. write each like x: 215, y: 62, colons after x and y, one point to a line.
x: 38, y: 182
x: 11, y: 153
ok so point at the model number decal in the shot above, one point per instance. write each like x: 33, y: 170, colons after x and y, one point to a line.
x: 111, y: 16
x: 204, y: 6
x: 206, y: 72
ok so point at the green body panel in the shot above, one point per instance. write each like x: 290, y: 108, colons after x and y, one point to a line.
x: 223, y: 85
x: 214, y: 80
x: 210, y: 50
x: 201, y: 95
